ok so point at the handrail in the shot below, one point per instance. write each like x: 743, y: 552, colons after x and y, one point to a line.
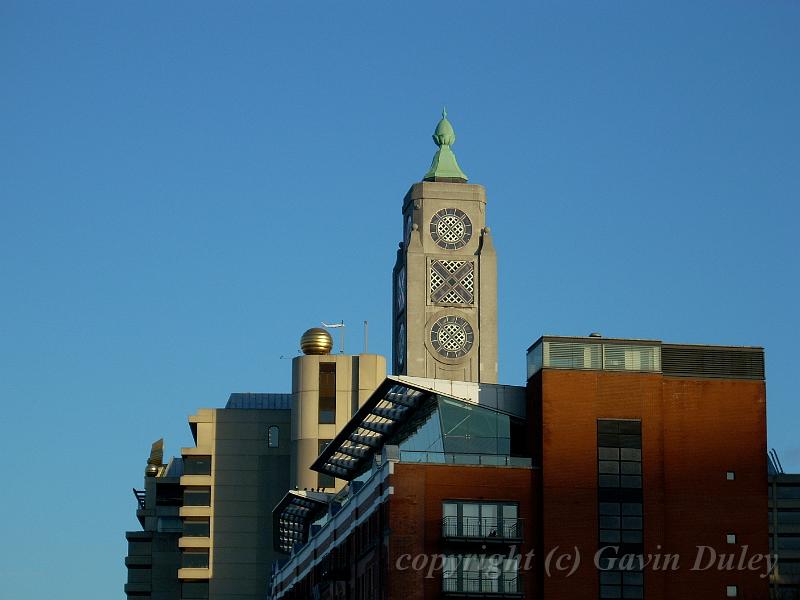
x: 482, y: 527
x: 481, y: 585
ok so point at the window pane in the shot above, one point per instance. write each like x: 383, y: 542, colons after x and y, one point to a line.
x: 609, y: 480
x: 273, y: 437
x: 609, y: 508
x: 489, y: 520
x: 610, y: 577
x: 197, y: 465
x: 632, y: 537
x: 195, y: 559
x: 196, y: 528
x: 631, y: 481
x: 327, y: 393
x: 632, y: 508
x: 197, y: 496
x: 609, y: 536
x: 608, y: 453
x: 631, y: 454
x: 194, y: 590
x: 609, y: 522
x: 610, y: 591
x: 609, y: 466
x: 509, y: 511
x: 631, y: 522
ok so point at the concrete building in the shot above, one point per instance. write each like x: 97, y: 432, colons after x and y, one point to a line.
x: 245, y: 458
x: 445, y: 276
x: 238, y: 467
x: 327, y: 389
x: 153, y: 556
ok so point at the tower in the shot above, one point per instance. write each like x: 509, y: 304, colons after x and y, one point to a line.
x: 327, y: 389
x: 445, y: 277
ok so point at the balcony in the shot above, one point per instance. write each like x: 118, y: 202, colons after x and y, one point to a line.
x: 483, y: 529
x: 482, y: 587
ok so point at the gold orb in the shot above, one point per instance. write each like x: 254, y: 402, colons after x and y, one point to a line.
x: 316, y: 341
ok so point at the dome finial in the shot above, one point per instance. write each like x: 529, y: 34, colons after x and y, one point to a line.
x: 445, y: 166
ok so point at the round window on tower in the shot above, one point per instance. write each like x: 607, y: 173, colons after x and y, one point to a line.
x: 452, y: 337
x: 451, y: 228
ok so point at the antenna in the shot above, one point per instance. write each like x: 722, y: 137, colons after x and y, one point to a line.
x: 366, y: 337
x: 339, y: 325
x: 776, y: 461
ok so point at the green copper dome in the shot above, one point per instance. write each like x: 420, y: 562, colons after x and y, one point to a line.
x: 444, y: 134
x: 444, y: 166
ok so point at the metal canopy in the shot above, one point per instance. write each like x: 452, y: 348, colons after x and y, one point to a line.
x: 293, y: 516
x: 349, y: 454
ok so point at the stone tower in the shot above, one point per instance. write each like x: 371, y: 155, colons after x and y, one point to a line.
x: 445, y: 277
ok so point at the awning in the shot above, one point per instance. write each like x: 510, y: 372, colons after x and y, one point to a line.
x: 292, y: 517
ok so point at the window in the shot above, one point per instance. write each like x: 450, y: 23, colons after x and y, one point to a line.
x: 731, y: 538
x: 731, y: 591
x: 788, y: 492
x: 273, y: 436
x: 620, y: 507
x: 194, y: 590
x: 327, y: 392
x: 323, y: 479
x: 197, y: 496
x: 197, y: 465
x: 196, y: 528
x: 484, y: 575
x: 730, y: 476
x: 481, y: 520
x: 169, y: 525
x: 194, y: 559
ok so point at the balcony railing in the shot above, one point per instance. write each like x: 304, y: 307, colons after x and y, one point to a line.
x: 140, y: 497
x: 482, y: 528
x: 502, y: 586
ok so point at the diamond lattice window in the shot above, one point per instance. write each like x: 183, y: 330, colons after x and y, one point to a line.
x: 452, y: 282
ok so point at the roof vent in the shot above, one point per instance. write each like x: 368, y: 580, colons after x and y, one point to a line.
x: 595, y: 334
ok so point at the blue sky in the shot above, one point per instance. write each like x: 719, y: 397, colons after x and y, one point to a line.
x: 179, y: 182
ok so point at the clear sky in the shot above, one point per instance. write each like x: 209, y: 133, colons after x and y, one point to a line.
x: 185, y: 187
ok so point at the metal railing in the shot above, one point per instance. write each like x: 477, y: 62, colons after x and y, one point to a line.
x: 486, y: 585
x: 482, y: 528
x: 140, y: 496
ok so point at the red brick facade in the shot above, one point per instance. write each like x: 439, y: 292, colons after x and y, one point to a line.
x: 693, y: 432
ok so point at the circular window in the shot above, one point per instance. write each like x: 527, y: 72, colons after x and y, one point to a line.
x: 451, y: 228
x: 452, y: 337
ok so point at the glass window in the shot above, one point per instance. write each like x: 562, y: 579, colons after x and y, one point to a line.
x: 196, y: 528
x: 197, y: 496
x: 273, y: 436
x: 323, y: 479
x: 788, y: 542
x: 481, y: 519
x: 169, y: 524
x: 194, y: 559
x: 788, y: 492
x: 489, y: 520
x: 197, y: 465
x: 731, y: 538
x: 327, y: 392
x: 609, y: 508
x: 609, y: 466
x: 194, y: 590
x: 731, y: 591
